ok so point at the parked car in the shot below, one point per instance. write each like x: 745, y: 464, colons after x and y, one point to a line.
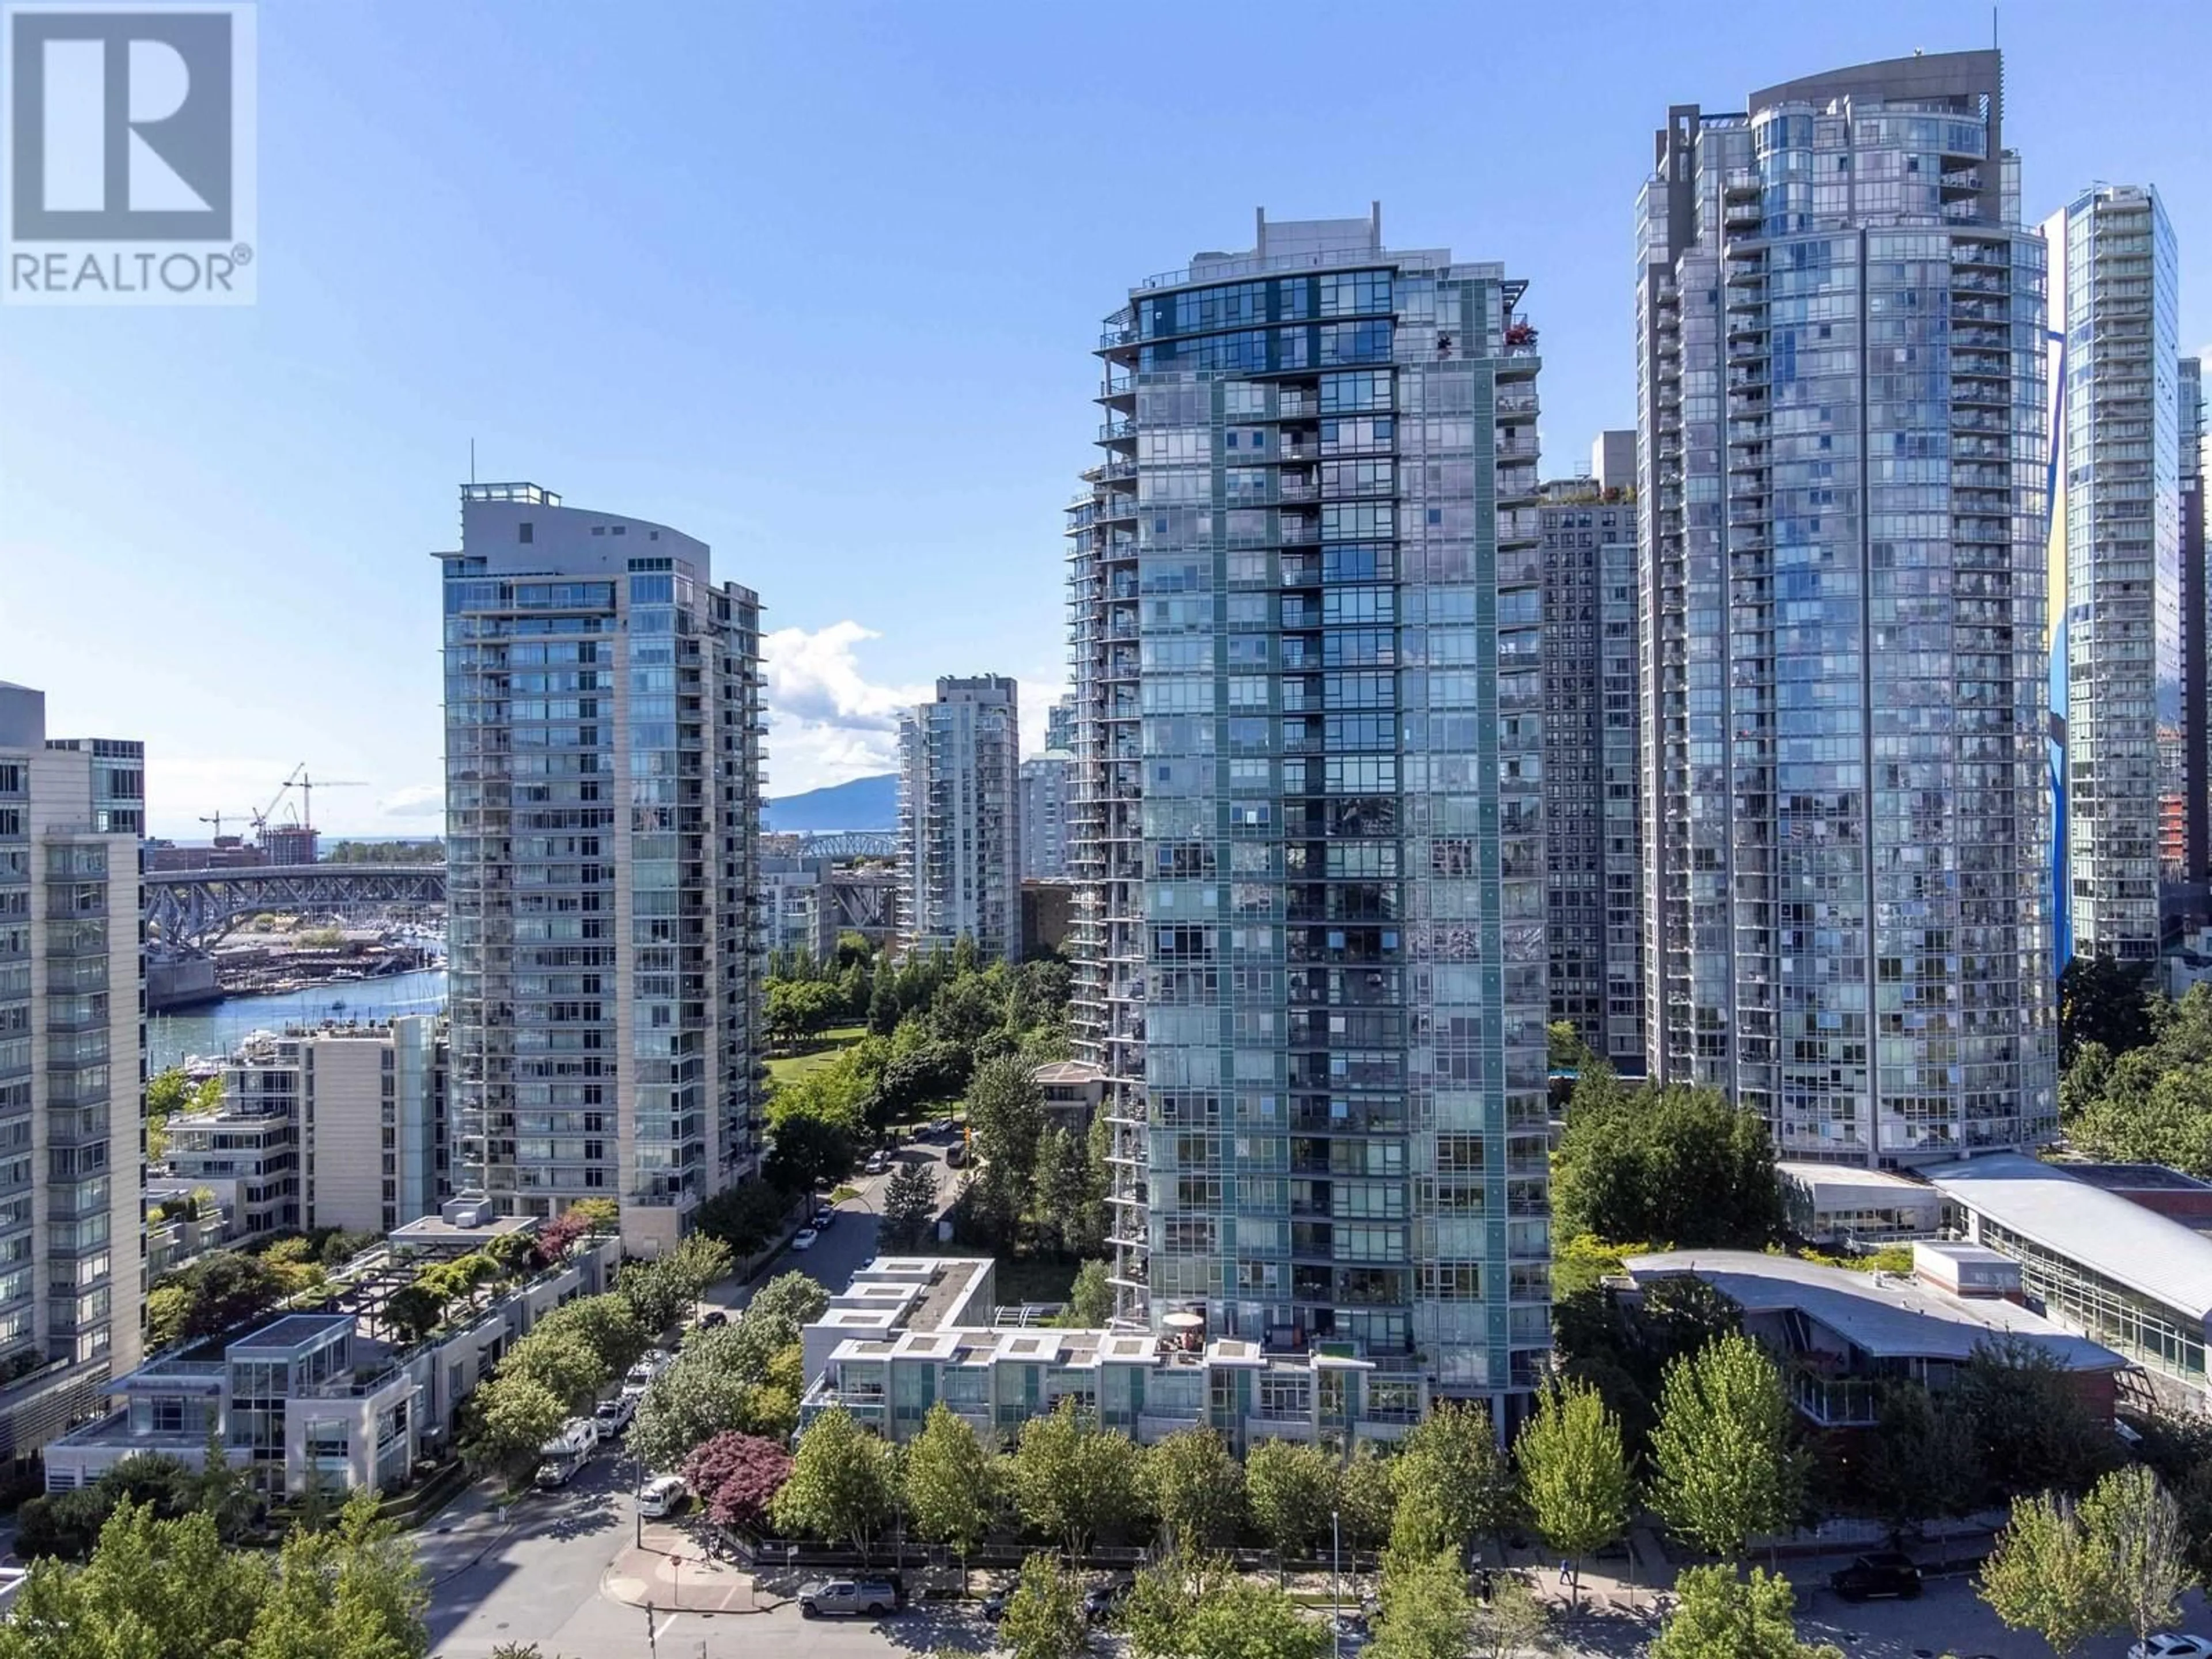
x: 613, y: 1416
x: 804, y: 1238
x: 873, y: 1597
x: 1102, y: 1601
x: 942, y: 1130
x: 823, y: 1215
x: 878, y: 1162
x: 713, y: 1319
x: 995, y: 1605
x: 1887, y: 1573
x: 955, y: 1156
x: 2172, y: 1645
x: 662, y: 1496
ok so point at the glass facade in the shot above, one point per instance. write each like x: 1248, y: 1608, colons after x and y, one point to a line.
x: 1306, y: 618
x: 960, y: 828
x: 1592, y: 852
x: 602, y: 723
x: 1842, y: 500
x: 71, y: 1036
x: 2117, y: 542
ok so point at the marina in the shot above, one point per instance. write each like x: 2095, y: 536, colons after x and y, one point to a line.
x: 212, y: 1031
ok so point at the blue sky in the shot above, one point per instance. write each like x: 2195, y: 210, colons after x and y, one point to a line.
x: 817, y: 283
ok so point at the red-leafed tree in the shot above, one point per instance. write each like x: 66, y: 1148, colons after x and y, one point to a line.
x: 735, y: 1474
x: 554, y: 1238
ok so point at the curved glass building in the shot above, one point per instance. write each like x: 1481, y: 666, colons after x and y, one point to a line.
x: 1842, y: 473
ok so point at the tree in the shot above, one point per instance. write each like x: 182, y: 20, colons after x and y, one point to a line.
x: 1367, y: 1496
x: 1194, y: 1486
x: 745, y: 1216
x: 1240, y: 1620
x: 2103, y: 1002
x: 948, y: 1482
x: 1044, y: 1617
x: 413, y: 1312
x: 1514, y: 1622
x: 1155, y: 1615
x: 606, y: 1325
x: 354, y: 1592
x: 1006, y: 1111
x: 1452, y: 1483
x: 559, y: 1361
x: 735, y: 1476
x: 150, y: 1587
x: 808, y: 1149
x: 515, y: 1416
x: 1623, y: 1349
x: 909, y: 1204
x: 792, y: 1299
x: 1717, y: 1615
x: 742, y: 1377
x: 2134, y: 1526
x: 223, y: 1289
x: 2045, y: 1575
x: 840, y: 1488
x: 1921, y: 1461
x: 1289, y: 1485
x: 1072, y: 1480
x: 1574, y: 1472
x: 883, y: 1007
x: 1724, y: 1468
x: 1089, y: 1298
x: 1427, y: 1611
x: 1677, y: 1165
x: 2032, y: 1431
x: 1062, y: 1186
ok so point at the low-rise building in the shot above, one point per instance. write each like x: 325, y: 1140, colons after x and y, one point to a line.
x: 911, y: 1332
x: 1843, y: 1336
x: 2092, y: 1259
x: 2173, y: 1194
x: 1849, y: 1206
x: 324, y: 1391
x: 1072, y: 1090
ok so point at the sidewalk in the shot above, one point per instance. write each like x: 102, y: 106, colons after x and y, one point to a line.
x: 465, y: 1531
x: 668, y: 1573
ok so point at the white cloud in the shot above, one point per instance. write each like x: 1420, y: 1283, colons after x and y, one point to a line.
x: 417, y: 800
x: 828, y: 722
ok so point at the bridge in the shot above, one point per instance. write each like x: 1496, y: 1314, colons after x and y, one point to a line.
x: 853, y: 844
x: 195, y: 908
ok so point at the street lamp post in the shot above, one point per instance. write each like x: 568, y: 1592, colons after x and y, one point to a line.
x: 1335, y: 1605
x: 637, y: 1498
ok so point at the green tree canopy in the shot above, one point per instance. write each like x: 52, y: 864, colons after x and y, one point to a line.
x: 1677, y: 1165
x: 1427, y: 1611
x: 1044, y: 1617
x: 1453, y: 1484
x: 1194, y: 1486
x: 1072, y: 1480
x: 1290, y: 1486
x: 948, y: 1482
x: 1724, y: 1467
x: 514, y: 1417
x: 1717, y: 1615
x: 1575, y: 1483
x: 2046, y: 1575
x: 842, y: 1486
x: 910, y: 1204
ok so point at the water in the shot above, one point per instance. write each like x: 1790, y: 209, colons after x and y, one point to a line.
x: 216, y: 1029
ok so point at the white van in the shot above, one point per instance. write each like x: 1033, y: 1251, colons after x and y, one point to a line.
x: 661, y: 1496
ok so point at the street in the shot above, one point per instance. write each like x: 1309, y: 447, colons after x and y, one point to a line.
x: 537, y: 1578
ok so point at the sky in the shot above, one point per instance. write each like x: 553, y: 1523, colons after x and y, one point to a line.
x: 817, y: 283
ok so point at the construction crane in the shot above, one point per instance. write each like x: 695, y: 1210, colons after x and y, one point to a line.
x: 306, y: 786
x: 217, y: 819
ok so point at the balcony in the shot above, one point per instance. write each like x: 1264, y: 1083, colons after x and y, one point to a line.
x: 1836, y: 1402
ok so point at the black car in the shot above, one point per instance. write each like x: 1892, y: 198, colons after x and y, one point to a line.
x: 1101, y: 1601
x: 1887, y: 1573
x: 713, y: 1319
x: 995, y: 1605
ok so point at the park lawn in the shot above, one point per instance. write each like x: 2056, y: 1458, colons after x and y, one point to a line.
x: 790, y: 1067
x: 1023, y: 1279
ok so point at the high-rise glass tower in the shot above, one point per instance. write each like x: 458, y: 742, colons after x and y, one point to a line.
x: 1592, y: 847
x: 2116, y: 542
x: 1306, y: 608
x: 1842, y: 496
x: 960, y: 833
x: 72, y: 972
x: 2193, y: 908
x: 602, y: 727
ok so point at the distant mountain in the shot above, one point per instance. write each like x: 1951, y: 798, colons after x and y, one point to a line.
x: 869, y: 803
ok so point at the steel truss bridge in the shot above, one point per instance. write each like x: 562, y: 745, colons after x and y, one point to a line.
x: 195, y: 908
x: 854, y: 844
